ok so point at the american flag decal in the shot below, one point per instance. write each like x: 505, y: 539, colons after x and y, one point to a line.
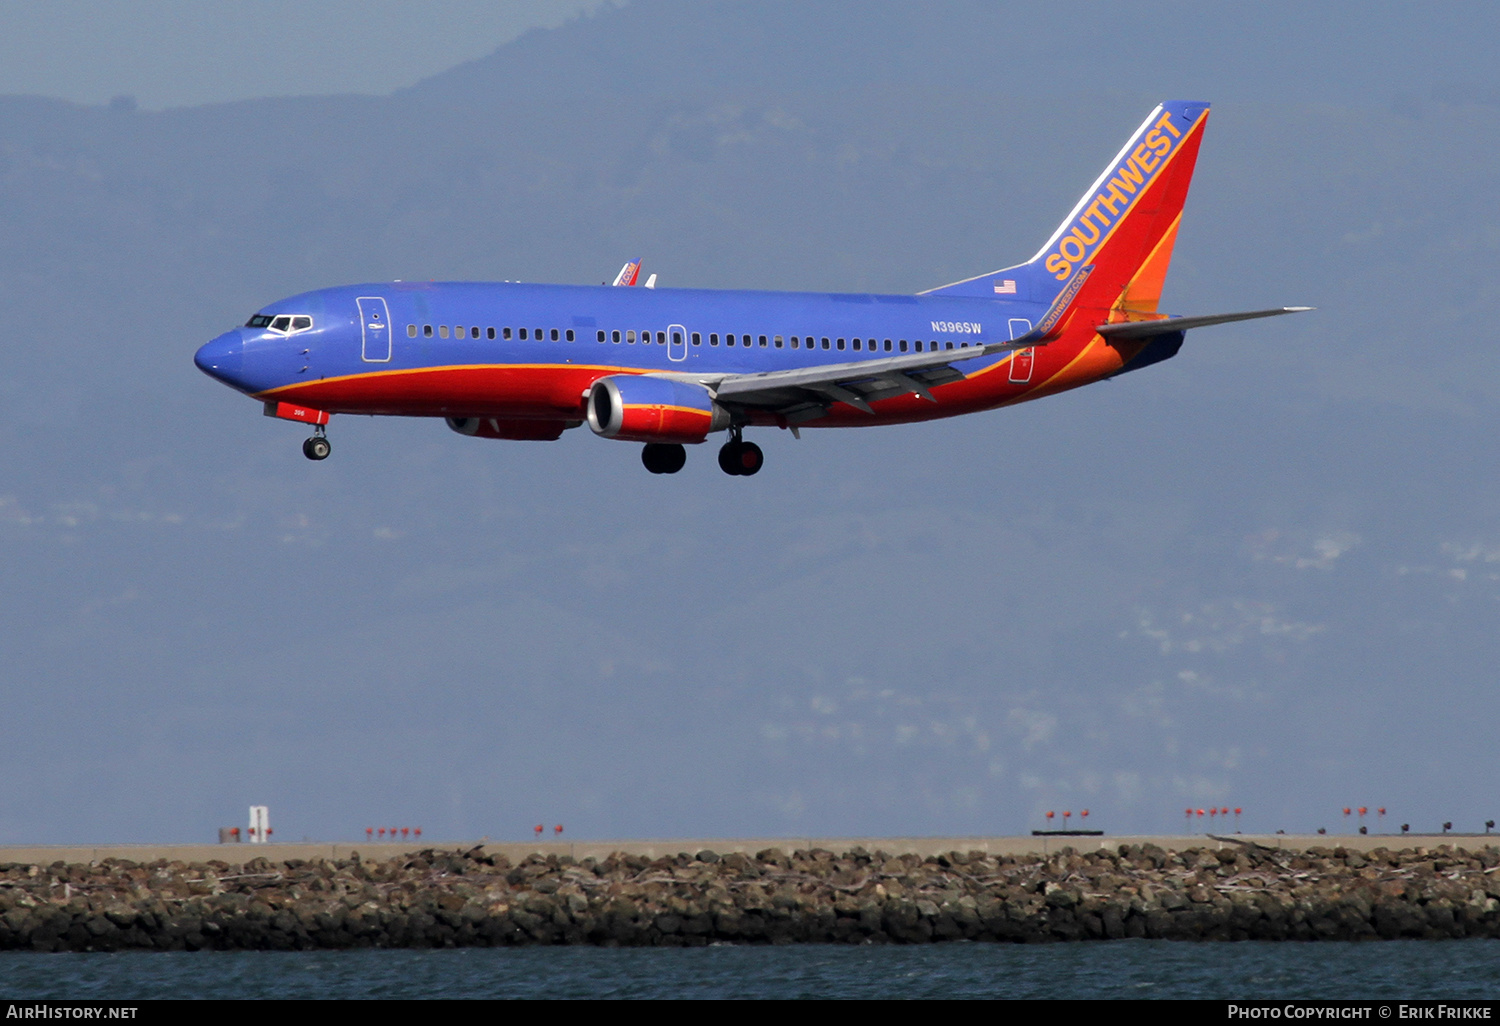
x: 1005, y: 288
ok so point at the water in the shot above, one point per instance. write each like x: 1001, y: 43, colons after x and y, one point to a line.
x: 1121, y: 969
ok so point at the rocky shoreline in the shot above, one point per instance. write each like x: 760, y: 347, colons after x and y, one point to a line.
x: 453, y: 899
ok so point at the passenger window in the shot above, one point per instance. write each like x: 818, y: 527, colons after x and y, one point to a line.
x: 615, y: 335
x: 841, y: 343
x: 676, y: 338
x: 794, y: 341
x: 713, y: 338
x: 661, y: 338
x: 778, y: 342
x: 427, y: 331
x: 888, y: 345
x: 443, y: 330
x: 903, y: 345
x: 473, y: 332
x: 523, y: 334
x: 856, y: 343
x: 570, y: 335
x: 630, y: 336
x: 489, y: 333
x: 536, y: 333
x: 825, y: 343
x: 505, y: 333
x: 697, y: 339
x: 554, y: 334
x: 411, y: 331
x: 601, y: 334
x: 948, y: 346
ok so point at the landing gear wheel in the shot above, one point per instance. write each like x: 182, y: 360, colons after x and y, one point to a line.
x: 729, y: 458
x: 751, y: 459
x: 741, y: 459
x: 663, y: 458
x: 316, y: 448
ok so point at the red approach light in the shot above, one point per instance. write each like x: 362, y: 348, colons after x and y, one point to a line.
x: 1237, y: 810
x: 1346, y: 810
x: 1381, y: 810
x: 404, y: 832
x: 1084, y: 813
x: 1363, y: 810
x: 382, y: 833
x: 539, y: 828
x: 369, y: 832
x: 557, y: 829
x: 1223, y: 812
x: 1187, y: 812
x: 1213, y: 812
x: 1200, y: 812
x: 1067, y: 814
x: 1049, y: 813
x: 418, y: 831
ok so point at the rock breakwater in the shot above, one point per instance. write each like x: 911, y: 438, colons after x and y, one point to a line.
x: 448, y: 899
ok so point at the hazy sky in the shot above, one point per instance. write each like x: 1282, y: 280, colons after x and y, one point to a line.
x: 1264, y: 574
x: 171, y: 53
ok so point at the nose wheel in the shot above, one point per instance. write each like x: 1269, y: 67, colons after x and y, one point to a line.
x: 317, y: 447
x: 739, y: 458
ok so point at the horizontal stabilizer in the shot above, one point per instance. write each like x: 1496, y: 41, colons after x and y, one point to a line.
x: 1131, y: 331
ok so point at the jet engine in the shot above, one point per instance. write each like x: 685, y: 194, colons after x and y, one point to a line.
x: 641, y: 408
x: 512, y: 430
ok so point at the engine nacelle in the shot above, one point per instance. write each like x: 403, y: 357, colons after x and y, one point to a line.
x: 511, y: 430
x: 640, y: 408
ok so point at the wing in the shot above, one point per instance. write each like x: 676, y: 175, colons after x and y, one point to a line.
x: 628, y: 273
x: 806, y: 393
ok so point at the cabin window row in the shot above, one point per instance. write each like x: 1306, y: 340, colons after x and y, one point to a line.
x: 730, y: 339
x: 463, y: 331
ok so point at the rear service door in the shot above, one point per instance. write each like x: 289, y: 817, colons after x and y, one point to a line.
x: 676, y: 342
x: 375, y: 329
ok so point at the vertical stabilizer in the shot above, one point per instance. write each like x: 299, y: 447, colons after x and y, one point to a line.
x: 1119, y: 235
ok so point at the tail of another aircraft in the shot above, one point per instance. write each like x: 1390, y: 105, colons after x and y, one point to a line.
x: 1110, y: 254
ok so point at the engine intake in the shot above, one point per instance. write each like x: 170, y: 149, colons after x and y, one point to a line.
x: 641, y: 408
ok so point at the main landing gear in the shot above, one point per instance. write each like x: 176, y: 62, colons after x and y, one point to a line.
x: 739, y: 458
x: 317, y: 447
x: 663, y: 458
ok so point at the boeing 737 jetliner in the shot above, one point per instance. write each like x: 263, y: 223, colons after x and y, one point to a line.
x: 669, y: 367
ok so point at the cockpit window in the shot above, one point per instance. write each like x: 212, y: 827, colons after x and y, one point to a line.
x: 287, y: 323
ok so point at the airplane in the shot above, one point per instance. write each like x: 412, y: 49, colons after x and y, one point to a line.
x: 667, y: 368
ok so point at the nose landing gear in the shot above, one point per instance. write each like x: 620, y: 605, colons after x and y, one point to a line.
x: 317, y: 447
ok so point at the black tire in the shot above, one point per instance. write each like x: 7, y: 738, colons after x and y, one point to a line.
x: 663, y: 458
x: 751, y: 459
x: 729, y: 458
x: 674, y: 459
x: 316, y: 448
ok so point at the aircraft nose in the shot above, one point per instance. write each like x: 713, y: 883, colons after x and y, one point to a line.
x: 223, y: 357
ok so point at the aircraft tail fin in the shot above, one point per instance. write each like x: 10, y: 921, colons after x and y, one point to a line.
x: 1112, y: 251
